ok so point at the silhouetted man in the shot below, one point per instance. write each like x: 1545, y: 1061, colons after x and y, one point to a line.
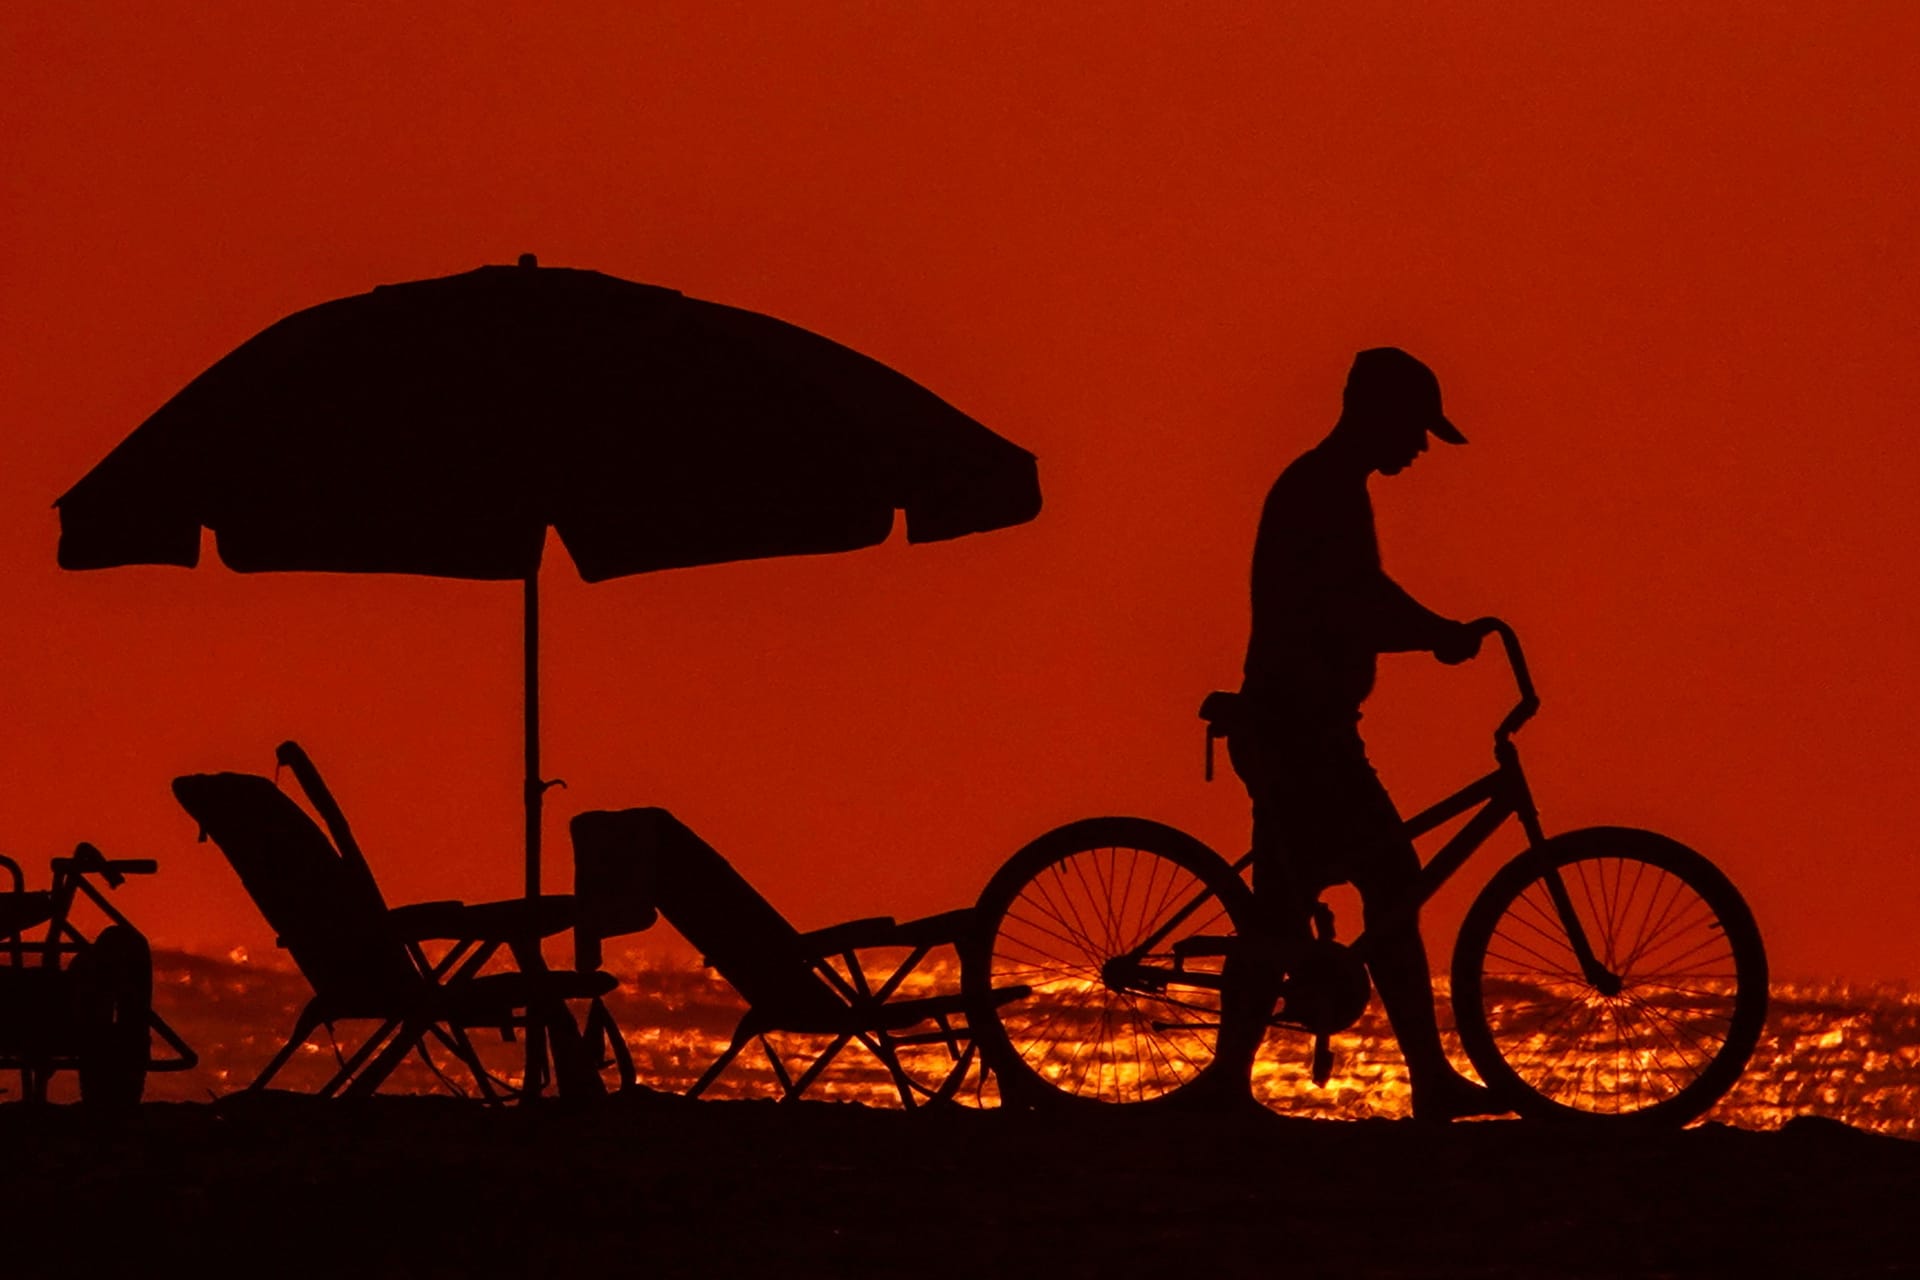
x: 1323, y: 610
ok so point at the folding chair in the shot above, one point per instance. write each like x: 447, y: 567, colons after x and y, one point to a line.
x: 366, y: 961
x: 630, y: 863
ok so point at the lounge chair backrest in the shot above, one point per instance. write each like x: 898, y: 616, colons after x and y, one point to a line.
x: 613, y: 886
x: 290, y: 755
x: 709, y: 903
x: 330, y: 918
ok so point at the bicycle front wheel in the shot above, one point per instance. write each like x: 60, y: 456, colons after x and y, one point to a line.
x: 1121, y: 931
x: 1666, y: 1030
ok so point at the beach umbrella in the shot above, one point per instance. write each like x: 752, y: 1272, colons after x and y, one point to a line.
x: 442, y: 426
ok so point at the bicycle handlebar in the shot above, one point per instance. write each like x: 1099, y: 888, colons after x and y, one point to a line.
x: 87, y: 860
x: 1529, y: 702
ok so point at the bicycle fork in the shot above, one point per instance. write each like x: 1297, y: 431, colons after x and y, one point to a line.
x: 1601, y: 978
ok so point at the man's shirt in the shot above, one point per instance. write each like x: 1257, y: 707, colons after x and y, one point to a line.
x: 1323, y: 608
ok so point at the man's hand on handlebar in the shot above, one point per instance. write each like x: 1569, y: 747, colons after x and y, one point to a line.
x: 1462, y: 642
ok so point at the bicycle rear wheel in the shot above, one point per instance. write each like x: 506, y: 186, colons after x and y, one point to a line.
x: 1087, y: 917
x: 1683, y: 952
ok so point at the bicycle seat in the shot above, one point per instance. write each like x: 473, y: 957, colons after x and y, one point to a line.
x: 1220, y: 709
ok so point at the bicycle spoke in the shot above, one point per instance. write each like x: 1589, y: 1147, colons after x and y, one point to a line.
x: 1546, y: 963
x: 1709, y: 939
x: 1103, y: 899
x: 1661, y: 1066
x: 1068, y: 895
x: 1721, y: 956
x: 1071, y: 942
x: 1646, y: 917
x: 1153, y: 916
x: 1047, y: 944
x: 1071, y: 931
x: 1701, y: 992
x: 1126, y: 894
x: 1551, y: 927
x: 1080, y: 873
x: 1680, y: 1028
x: 1593, y: 913
x: 1659, y: 924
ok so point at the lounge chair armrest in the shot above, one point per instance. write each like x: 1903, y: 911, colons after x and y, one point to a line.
x: 874, y: 931
x: 418, y: 921
x: 935, y: 931
x: 505, y: 921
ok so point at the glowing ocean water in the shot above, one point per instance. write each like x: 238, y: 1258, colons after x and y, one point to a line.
x: 1848, y: 1052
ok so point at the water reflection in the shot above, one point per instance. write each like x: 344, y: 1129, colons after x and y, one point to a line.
x: 1848, y: 1052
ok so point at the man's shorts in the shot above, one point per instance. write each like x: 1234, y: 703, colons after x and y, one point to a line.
x: 1320, y: 815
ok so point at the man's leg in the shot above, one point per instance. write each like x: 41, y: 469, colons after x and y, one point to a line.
x: 1387, y: 875
x: 1246, y: 1003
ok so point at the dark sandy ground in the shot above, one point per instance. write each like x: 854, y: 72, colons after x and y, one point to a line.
x: 652, y: 1185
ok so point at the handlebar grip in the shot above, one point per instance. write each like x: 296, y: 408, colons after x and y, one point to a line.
x: 87, y: 860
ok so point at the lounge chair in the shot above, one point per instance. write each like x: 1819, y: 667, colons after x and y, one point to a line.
x: 630, y: 863
x: 366, y: 961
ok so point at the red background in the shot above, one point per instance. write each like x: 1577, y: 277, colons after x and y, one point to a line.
x: 1662, y: 261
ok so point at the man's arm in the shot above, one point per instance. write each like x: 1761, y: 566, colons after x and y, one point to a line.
x: 1388, y: 620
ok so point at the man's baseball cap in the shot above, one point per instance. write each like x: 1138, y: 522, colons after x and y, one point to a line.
x: 1386, y: 380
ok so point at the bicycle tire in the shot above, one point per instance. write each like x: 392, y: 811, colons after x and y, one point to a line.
x: 1050, y: 920
x: 1668, y: 924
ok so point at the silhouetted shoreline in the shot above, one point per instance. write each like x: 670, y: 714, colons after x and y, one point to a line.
x: 654, y: 1184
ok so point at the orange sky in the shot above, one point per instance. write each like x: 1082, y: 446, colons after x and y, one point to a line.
x: 1663, y: 264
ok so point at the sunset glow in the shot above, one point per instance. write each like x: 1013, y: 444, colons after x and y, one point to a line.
x: 1660, y: 258
x: 1851, y: 1053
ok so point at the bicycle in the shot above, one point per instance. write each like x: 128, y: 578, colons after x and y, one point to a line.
x: 1607, y: 971
x: 74, y: 1002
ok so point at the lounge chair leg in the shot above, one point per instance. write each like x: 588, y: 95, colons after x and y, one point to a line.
x: 779, y: 1070
x: 382, y: 1066
x: 575, y: 1066
x: 457, y: 1040
x: 600, y: 1024
x: 818, y: 1065
x: 303, y: 1027
x: 741, y: 1034
x: 950, y: 1087
x: 358, y: 1058
x: 880, y: 1049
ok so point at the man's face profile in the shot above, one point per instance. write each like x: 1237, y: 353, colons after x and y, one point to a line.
x: 1397, y: 440
x: 1389, y: 407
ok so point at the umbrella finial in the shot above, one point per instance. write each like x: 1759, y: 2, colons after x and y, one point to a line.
x: 528, y: 260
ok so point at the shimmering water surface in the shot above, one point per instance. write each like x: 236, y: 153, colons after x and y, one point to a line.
x: 1848, y: 1052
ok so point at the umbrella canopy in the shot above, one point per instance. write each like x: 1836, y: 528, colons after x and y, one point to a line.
x: 441, y: 427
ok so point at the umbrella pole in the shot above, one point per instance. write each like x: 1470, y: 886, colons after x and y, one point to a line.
x: 535, y: 790
x: 534, y: 1081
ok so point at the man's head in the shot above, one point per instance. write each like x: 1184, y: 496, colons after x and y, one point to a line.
x: 1390, y: 405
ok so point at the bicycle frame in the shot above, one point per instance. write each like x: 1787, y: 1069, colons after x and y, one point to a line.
x: 1500, y: 795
